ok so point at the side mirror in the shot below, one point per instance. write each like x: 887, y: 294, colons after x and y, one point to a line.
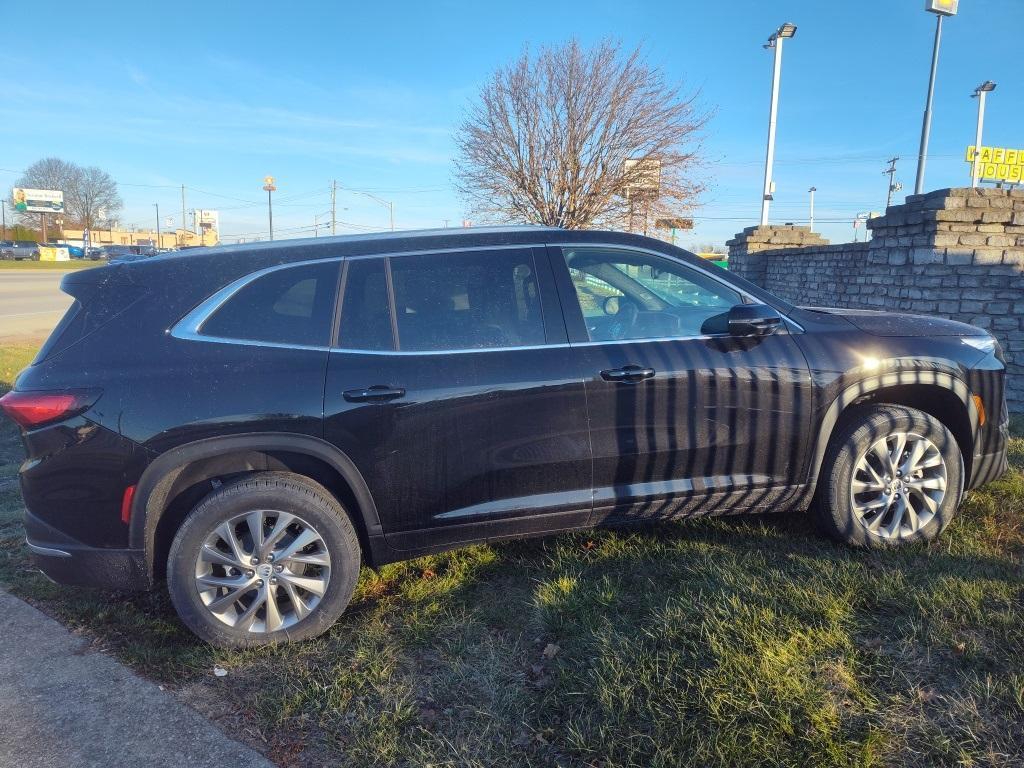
x: 753, y: 320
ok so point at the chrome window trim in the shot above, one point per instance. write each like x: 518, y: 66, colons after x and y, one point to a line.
x: 189, y: 327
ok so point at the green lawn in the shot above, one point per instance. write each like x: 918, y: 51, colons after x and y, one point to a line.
x: 73, y: 264
x: 710, y: 642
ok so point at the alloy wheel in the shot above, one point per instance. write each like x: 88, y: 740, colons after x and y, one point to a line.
x: 898, y: 485
x: 262, y: 571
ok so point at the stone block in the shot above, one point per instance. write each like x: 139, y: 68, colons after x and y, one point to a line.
x: 959, y: 256
x: 897, y: 256
x: 1001, y: 241
x: 988, y: 255
x: 973, y: 239
x: 997, y: 307
x: 997, y: 217
x: 944, y: 241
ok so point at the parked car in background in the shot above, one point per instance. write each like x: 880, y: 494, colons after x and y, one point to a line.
x: 6, y: 249
x: 126, y: 253
x: 254, y: 422
x: 25, y: 249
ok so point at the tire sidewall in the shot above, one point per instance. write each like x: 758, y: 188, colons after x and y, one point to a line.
x: 309, y: 501
x: 838, y: 514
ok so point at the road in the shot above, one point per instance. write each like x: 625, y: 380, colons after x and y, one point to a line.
x: 31, y: 302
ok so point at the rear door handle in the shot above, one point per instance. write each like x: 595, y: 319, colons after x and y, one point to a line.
x: 627, y: 373
x: 376, y: 392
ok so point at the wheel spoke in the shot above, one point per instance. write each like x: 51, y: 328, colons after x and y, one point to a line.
x: 218, y: 605
x: 213, y: 555
x: 896, y: 456
x: 912, y: 519
x: 304, y: 539
x: 216, y: 582
x: 899, y: 507
x: 227, y: 532
x: 249, y: 615
x: 280, y: 527
x: 308, y: 558
x: 881, y: 453
x: 312, y: 584
x: 917, y: 450
x: 274, y: 620
x: 298, y: 604
x: 254, y: 520
x: 927, y: 483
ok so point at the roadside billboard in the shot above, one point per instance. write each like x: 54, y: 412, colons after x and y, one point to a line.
x: 207, y: 219
x: 37, y: 200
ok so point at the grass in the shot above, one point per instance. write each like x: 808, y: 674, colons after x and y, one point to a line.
x: 749, y: 641
x: 72, y: 264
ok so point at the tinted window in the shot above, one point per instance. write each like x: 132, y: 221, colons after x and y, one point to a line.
x: 365, y: 310
x: 287, y: 306
x: 630, y: 295
x: 469, y: 300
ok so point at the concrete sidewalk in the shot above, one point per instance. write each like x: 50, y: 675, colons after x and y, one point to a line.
x: 63, y: 705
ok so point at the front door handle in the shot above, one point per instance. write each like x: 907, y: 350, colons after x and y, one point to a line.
x: 376, y: 392
x: 627, y: 373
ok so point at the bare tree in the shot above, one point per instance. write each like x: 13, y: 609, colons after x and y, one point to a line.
x: 574, y: 138
x: 87, y: 191
x: 93, y: 195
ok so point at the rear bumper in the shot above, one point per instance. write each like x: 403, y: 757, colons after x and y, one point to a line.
x: 68, y: 561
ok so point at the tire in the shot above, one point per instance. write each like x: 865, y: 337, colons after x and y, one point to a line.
x: 215, y: 597
x: 925, y: 500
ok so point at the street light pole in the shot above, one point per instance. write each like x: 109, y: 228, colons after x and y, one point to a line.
x: 157, y: 206
x: 940, y: 8
x: 979, y: 93
x: 268, y: 185
x: 812, y: 190
x: 775, y: 41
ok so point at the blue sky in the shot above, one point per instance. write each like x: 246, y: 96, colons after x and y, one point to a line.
x: 217, y: 95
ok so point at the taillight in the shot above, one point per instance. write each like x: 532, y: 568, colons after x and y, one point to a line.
x: 33, y: 409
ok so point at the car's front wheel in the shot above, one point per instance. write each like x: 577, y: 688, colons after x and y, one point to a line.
x: 892, y: 475
x: 268, y: 558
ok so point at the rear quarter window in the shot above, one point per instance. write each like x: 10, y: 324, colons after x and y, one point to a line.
x: 294, y: 305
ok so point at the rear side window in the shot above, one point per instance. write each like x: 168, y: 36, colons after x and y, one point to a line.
x: 468, y: 300
x: 288, y: 306
x: 365, y: 310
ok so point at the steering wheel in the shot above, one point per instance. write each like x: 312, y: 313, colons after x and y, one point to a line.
x: 625, y: 318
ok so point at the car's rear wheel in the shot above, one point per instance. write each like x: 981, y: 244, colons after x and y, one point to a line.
x: 892, y: 475
x: 269, y: 558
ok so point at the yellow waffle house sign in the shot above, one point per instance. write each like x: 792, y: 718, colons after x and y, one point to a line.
x: 998, y: 163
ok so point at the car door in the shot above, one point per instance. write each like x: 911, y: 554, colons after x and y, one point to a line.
x: 450, y: 389
x: 683, y: 417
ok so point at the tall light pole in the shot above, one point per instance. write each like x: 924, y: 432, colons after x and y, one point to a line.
x: 388, y: 203
x: 157, y: 206
x: 941, y: 9
x: 268, y: 185
x: 775, y: 41
x: 812, y: 190
x: 979, y: 93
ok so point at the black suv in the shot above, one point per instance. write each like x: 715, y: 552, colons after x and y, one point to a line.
x: 254, y: 422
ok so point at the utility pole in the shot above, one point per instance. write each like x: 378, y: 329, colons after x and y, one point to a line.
x: 334, y: 196
x: 812, y: 190
x: 157, y: 206
x: 3, y: 214
x: 391, y: 210
x: 183, y: 214
x: 894, y: 186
